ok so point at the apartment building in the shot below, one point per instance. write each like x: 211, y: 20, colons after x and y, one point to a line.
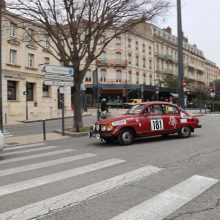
x: 132, y: 66
x: 24, y: 94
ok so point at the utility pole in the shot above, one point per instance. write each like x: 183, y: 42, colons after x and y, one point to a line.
x: 1, y: 107
x: 180, y: 56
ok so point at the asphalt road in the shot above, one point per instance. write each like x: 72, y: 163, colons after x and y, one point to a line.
x: 178, y: 180
x: 37, y: 127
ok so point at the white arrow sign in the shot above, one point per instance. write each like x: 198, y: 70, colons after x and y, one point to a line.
x: 59, y: 70
x: 58, y: 77
x: 57, y: 83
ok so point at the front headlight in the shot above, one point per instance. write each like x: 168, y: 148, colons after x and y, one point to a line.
x: 97, y: 127
x: 109, y: 127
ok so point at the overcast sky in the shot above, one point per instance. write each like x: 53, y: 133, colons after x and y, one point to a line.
x: 200, y: 23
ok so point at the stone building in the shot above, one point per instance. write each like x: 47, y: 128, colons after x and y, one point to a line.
x: 133, y: 65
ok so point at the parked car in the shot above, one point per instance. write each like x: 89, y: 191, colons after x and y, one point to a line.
x: 2, y: 141
x: 132, y: 102
x: 144, y: 120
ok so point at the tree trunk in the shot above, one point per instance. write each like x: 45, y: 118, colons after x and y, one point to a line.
x: 78, y: 123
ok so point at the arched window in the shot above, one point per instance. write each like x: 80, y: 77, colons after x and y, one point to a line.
x: 88, y: 76
x: 118, y: 57
x: 118, y: 75
x: 103, y: 75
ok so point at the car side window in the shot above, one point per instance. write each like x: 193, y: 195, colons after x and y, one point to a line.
x: 155, y: 109
x: 170, y: 109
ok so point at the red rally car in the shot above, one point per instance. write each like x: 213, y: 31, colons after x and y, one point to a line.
x: 144, y: 120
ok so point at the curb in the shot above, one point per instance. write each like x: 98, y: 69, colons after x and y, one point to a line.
x: 72, y: 134
x: 50, y: 119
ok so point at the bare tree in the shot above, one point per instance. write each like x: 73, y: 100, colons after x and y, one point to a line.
x: 76, y: 28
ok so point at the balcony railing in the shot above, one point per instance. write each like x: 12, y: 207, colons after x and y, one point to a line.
x: 111, y: 62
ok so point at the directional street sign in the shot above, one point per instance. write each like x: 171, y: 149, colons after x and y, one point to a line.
x: 58, y: 77
x: 59, y: 70
x: 57, y: 83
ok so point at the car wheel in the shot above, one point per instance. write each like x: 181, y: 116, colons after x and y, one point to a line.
x: 126, y: 136
x: 185, y: 132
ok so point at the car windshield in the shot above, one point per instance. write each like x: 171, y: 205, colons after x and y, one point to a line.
x: 135, y: 109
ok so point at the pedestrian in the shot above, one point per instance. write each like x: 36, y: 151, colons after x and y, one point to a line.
x: 104, y: 106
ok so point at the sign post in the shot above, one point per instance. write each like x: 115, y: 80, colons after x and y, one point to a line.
x: 59, y: 76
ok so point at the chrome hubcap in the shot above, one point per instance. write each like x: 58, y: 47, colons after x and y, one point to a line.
x: 127, y: 137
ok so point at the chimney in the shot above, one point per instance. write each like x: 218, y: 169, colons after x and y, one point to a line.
x: 168, y: 30
x: 185, y: 39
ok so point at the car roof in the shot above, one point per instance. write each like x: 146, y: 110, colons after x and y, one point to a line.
x: 158, y: 102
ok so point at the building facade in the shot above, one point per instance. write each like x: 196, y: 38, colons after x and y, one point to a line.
x: 133, y: 65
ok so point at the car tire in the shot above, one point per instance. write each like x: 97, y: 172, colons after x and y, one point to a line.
x: 185, y: 132
x: 126, y: 136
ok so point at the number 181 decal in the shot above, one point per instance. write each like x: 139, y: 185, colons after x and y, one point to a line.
x: 156, y: 124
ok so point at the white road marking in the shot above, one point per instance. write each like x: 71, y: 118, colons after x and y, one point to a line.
x: 24, y: 146
x: 44, y: 164
x: 44, y: 207
x: 35, y: 156
x: 39, y: 181
x: 27, y: 151
x: 165, y: 203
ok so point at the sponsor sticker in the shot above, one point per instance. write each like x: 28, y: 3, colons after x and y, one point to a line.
x: 183, y: 120
x: 120, y: 122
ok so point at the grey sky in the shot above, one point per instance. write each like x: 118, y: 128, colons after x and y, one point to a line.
x: 200, y: 23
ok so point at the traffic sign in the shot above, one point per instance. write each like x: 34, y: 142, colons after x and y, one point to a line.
x: 60, y: 70
x: 57, y: 83
x: 58, y: 77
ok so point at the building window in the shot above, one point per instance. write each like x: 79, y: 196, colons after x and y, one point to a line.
x: 88, y: 77
x: 102, y: 39
x: 12, y: 29
x: 103, y: 75
x: 13, y: 57
x: 144, y: 79
x: 30, y: 91
x: 46, y: 60
x: 137, y: 78
x: 30, y: 60
x: 143, y: 48
x: 130, y: 77
x: 30, y: 35
x: 150, y: 64
x: 150, y: 50
x: 118, y: 75
x: 45, y: 91
x: 118, y: 57
x: 136, y: 45
x: 46, y: 40
x: 12, y: 86
x: 144, y: 62
x: 129, y: 43
x: 137, y: 61
x: 118, y: 41
x: 129, y: 59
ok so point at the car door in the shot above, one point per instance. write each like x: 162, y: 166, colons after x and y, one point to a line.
x: 171, y: 117
x: 153, y: 123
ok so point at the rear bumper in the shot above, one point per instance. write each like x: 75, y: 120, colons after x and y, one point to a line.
x: 199, y: 126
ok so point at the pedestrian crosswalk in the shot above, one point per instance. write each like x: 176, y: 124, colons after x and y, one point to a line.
x: 155, y: 208
x: 7, y: 134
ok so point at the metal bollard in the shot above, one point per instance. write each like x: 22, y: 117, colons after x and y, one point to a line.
x: 44, y: 129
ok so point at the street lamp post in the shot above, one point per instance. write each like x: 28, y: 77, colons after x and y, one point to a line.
x: 180, y: 56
